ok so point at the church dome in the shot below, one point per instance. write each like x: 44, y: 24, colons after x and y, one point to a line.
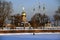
x: 23, y: 13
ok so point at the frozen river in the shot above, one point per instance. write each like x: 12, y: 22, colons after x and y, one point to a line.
x: 39, y: 36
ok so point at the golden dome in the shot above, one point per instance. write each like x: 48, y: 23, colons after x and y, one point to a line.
x: 24, y: 13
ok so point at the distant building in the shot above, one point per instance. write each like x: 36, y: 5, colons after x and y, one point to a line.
x: 48, y: 24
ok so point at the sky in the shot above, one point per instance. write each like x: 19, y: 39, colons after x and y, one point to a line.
x: 50, y: 5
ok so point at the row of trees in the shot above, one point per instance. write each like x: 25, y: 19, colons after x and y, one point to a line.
x: 37, y: 19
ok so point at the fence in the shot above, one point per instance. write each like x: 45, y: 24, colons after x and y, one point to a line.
x: 31, y: 28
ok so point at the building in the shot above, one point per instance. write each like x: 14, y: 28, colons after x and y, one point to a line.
x: 48, y: 24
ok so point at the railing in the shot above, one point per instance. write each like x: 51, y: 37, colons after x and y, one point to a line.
x: 31, y: 28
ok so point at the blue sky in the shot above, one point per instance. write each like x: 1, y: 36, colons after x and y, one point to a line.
x: 51, y: 6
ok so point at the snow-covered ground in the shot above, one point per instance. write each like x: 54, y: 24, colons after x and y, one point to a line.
x: 30, y: 36
x: 28, y: 33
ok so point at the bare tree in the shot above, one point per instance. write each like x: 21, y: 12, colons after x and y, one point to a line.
x: 17, y: 19
x: 5, y: 10
x: 39, y: 20
x: 45, y: 19
x: 57, y: 16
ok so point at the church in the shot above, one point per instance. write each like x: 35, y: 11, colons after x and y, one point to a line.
x: 24, y: 22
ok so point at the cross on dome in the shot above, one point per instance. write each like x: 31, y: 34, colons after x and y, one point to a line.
x: 23, y: 8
